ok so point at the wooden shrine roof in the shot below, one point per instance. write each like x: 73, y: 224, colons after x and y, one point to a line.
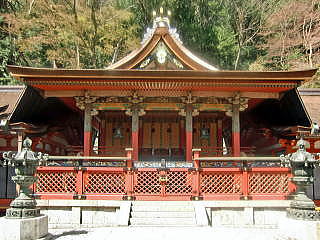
x: 311, y: 100
x: 10, y: 95
x: 184, y: 80
x: 166, y: 38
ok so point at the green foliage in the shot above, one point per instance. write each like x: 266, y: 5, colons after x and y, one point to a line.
x: 76, y: 34
x: 8, y: 55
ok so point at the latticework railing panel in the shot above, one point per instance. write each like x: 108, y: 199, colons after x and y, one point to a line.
x: 179, y: 182
x: 56, y: 182
x: 147, y: 182
x: 105, y: 183
x: 266, y: 183
x: 220, y: 183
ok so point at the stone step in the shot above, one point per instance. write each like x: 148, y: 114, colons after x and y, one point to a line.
x: 163, y: 221
x: 162, y: 208
x: 163, y: 214
x: 161, y: 203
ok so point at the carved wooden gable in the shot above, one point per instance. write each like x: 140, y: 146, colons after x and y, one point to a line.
x: 162, y: 49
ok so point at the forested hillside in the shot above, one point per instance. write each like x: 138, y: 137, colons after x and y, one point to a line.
x: 231, y: 34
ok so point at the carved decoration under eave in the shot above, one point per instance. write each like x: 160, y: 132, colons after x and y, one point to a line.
x: 237, y: 99
x: 81, y: 101
x: 195, y: 111
x: 189, y: 99
x: 141, y: 112
x: 108, y: 100
x: 135, y: 99
x: 135, y: 104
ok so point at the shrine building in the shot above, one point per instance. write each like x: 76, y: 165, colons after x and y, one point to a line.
x: 145, y: 127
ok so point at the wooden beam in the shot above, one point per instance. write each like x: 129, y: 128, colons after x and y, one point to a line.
x: 156, y: 93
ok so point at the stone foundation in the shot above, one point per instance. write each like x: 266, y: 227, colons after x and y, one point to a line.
x: 85, y: 213
x: 259, y: 214
x: 299, y: 229
x: 23, y: 229
x: 104, y: 213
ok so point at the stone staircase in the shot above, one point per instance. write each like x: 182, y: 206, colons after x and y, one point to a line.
x: 162, y: 213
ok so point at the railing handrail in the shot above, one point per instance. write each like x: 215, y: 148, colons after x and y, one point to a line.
x: 62, y: 158
x: 250, y: 159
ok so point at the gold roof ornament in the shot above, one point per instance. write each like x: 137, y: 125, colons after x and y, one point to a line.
x: 161, y: 20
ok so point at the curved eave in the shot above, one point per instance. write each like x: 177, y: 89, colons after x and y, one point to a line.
x: 25, y: 72
x: 162, y: 33
x: 113, y: 79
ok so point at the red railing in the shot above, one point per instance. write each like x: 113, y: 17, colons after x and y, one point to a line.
x: 208, y: 183
x: 119, y: 151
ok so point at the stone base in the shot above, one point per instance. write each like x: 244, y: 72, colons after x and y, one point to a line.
x: 299, y: 229
x: 22, y: 212
x: 23, y: 229
x: 303, y: 214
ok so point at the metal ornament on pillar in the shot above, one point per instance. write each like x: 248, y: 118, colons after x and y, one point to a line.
x: 25, y: 163
x: 204, y: 133
x: 302, y: 164
x: 117, y: 133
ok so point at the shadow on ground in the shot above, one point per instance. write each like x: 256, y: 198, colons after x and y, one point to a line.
x: 69, y: 233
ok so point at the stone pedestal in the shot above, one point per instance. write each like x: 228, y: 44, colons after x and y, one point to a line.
x: 23, y: 229
x: 299, y: 229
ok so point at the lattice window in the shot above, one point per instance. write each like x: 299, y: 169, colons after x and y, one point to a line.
x: 179, y: 183
x: 268, y: 183
x: 111, y: 183
x: 225, y: 183
x: 147, y: 182
x: 56, y: 182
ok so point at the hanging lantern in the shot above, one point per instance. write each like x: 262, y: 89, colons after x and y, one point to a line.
x: 204, y: 133
x: 117, y: 133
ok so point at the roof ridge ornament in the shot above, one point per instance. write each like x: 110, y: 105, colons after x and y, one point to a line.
x: 159, y: 20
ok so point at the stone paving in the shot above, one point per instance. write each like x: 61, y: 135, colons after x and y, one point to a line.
x: 166, y: 233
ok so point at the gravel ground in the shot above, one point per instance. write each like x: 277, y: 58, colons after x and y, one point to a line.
x: 164, y: 233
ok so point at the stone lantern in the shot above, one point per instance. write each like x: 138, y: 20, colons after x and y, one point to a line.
x: 302, y: 164
x: 25, y: 163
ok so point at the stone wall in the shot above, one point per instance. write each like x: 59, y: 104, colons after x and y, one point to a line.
x: 260, y: 214
x: 102, y: 213
x: 85, y: 213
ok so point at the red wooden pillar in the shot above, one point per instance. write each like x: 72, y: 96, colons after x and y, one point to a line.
x: 182, y: 136
x: 129, y: 175
x: 103, y: 133
x: 79, y: 182
x: 236, y: 129
x: 219, y: 138
x: 87, y: 130
x: 129, y: 156
x: 135, y: 134
x: 196, y: 176
x: 189, y: 132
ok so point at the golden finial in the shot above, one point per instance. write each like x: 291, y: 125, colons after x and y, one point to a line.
x: 161, y: 20
x: 161, y: 11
